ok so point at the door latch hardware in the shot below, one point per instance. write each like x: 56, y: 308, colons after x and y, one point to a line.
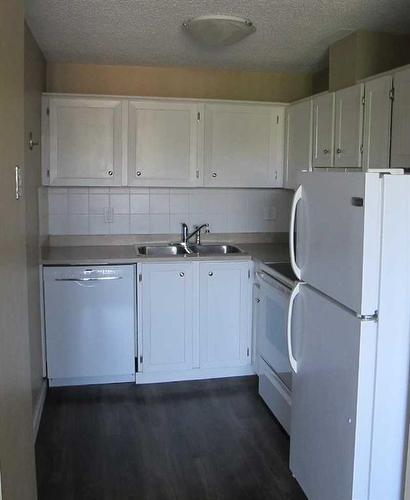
x: 31, y: 142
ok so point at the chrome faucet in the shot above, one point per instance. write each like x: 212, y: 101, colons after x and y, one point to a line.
x: 185, y: 236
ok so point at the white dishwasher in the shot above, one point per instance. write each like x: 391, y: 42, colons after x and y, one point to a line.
x: 90, y: 324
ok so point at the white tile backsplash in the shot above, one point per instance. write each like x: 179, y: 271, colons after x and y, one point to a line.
x: 161, y: 210
x: 139, y: 203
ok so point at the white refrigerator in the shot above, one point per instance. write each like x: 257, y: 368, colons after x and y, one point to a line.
x: 350, y: 247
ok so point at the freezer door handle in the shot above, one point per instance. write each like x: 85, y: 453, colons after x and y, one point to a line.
x: 292, y: 360
x: 296, y: 198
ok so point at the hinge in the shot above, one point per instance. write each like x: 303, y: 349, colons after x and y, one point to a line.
x: 247, y: 352
x: 48, y: 173
x: 198, y: 116
x: 369, y: 317
x: 391, y: 94
x: 363, y: 100
x: 136, y: 364
x: 48, y: 111
x: 361, y: 149
x: 141, y: 359
x: 249, y: 274
x: 197, y: 174
x: 140, y: 277
x: 277, y: 118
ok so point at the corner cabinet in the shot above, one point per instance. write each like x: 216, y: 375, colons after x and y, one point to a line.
x: 243, y: 145
x: 298, y: 153
x: 400, y: 145
x: 163, y: 143
x: 377, y: 122
x: 194, y: 320
x: 83, y: 142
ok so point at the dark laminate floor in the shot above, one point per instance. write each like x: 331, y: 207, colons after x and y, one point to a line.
x: 212, y: 439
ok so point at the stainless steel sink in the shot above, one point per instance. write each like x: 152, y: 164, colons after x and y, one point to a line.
x: 214, y: 249
x: 162, y: 250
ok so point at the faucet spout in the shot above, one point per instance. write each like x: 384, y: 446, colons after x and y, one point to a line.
x: 197, y: 231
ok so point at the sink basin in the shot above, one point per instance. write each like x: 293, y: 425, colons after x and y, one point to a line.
x: 162, y: 250
x: 214, y: 249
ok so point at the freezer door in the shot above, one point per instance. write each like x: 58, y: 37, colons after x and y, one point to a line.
x: 338, y: 236
x: 332, y: 400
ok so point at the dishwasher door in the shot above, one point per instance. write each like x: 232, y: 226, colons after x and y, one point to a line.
x: 90, y: 324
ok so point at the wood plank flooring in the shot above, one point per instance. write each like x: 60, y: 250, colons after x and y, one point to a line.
x: 201, y: 440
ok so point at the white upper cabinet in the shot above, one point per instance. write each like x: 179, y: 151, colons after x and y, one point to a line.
x: 298, y: 154
x: 323, y: 130
x: 243, y: 145
x: 225, y: 296
x: 377, y: 123
x: 400, y: 144
x: 85, y: 139
x: 163, y: 143
x: 349, y: 127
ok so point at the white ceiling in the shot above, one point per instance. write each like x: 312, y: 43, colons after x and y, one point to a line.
x: 291, y: 35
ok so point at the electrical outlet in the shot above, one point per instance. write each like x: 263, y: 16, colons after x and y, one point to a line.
x: 108, y: 215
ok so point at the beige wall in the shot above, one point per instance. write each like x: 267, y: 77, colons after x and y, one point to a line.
x: 34, y: 85
x: 342, y: 62
x: 177, y: 82
x: 16, y: 424
x: 364, y: 54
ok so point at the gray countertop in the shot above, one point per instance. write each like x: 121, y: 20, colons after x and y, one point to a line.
x: 127, y: 254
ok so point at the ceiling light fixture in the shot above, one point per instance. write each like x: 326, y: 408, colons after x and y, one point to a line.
x: 218, y: 31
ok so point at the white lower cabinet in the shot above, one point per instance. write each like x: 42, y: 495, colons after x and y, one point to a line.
x: 194, y: 320
x: 225, y: 296
x: 167, y: 317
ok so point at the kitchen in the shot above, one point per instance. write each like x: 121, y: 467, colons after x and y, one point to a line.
x: 213, y: 288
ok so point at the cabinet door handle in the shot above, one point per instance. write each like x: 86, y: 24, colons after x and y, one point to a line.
x: 213, y: 174
x: 338, y: 151
x: 210, y: 273
x: 182, y: 274
x: 258, y: 301
x: 326, y: 151
x: 110, y: 172
x: 138, y: 174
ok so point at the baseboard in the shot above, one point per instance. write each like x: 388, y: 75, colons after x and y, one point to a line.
x: 195, y: 374
x: 38, y: 409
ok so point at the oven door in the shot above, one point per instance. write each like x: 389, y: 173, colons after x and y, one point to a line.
x: 271, y: 321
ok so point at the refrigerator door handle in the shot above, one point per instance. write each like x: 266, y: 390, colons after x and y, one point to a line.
x: 292, y: 360
x: 296, y: 198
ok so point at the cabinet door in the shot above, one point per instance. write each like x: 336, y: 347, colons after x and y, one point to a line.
x: 377, y: 123
x: 298, y: 141
x: 225, y: 314
x: 167, y: 309
x: 243, y: 145
x: 323, y: 130
x: 400, y: 141
x: 349, y: 127
x: 85, y: 142
x: 163, y: 143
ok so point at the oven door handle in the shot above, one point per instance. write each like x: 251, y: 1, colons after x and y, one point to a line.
x: 296, y: 198
x: 292, y: 360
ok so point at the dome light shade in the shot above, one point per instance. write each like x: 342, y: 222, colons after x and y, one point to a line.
x: 217, y: 31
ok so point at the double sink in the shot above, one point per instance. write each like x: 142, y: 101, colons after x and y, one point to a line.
x: 189, y: 249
